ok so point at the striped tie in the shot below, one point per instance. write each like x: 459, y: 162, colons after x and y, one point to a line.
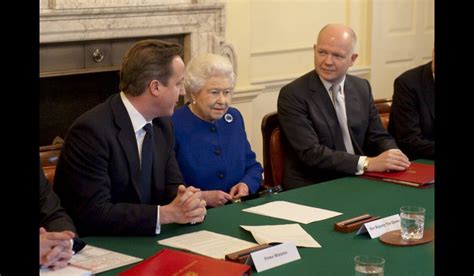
x: 340, y: 108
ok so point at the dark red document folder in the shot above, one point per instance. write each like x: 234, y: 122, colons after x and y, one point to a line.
x: 173, y: 262
x: 417, y: 175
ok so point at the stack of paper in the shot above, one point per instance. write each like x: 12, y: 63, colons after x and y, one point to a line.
x: 207, y: 243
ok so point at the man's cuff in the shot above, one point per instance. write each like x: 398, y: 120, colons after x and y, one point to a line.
x: 360, y: 165
x: 78, y: 245
x: 71, y: 242
x: 158, y: 225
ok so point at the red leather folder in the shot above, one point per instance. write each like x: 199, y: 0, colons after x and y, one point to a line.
x: 417, y: 175
x: 173, y: 262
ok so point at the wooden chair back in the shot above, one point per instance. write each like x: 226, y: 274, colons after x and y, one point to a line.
x: 273, y: 151
x: 49, y: 156
x: 384, y: 106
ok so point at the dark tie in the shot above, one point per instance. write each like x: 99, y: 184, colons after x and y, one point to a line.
x: 340, y: 107
x: 147, y: 162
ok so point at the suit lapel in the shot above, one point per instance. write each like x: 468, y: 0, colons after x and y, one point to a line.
x: 127, y: 139
x: 353, y: 104
x: 157, y: 157
x: 321, y: 99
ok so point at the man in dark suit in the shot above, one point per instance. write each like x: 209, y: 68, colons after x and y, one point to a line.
x: 412, y: 114
x: 329, y: 119
x: 56, y: 231
x: 101, y: 175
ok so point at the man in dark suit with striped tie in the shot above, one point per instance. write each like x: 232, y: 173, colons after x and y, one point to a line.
x: 329, y: 119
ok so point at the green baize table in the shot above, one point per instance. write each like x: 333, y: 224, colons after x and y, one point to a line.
x: 352, y: 196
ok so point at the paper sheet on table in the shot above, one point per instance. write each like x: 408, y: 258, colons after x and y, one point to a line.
x: 292, y: 211
x: 65, y: 271
x: 282, y: 233
x: 99, y: 259
x: 208, y: 243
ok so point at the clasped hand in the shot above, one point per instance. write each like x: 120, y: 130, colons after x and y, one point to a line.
x: 55, y: 248
x: 187, y: 207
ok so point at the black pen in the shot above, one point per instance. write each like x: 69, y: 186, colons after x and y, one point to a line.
x: 271, y: 190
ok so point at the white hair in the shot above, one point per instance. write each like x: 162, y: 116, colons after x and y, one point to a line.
x: 203, y: 67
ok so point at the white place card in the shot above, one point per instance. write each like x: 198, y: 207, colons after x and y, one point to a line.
x: 381, y: 226
x: 275, y: 256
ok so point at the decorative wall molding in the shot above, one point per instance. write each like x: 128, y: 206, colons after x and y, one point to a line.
x: 362, y: 72
x: 244, y: 94
x: 274, y: 84
x: 280, y: 51
x: 204, y: 22
x: 227, y: 50
x: 88, y: 4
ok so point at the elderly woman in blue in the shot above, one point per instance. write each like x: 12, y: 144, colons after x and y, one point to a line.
x: 212, y: 149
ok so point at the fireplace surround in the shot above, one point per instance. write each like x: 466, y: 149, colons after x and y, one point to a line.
x: 81, y: 48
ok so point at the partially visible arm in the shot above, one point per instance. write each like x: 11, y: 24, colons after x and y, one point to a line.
x: 405, y: 121
x: 52, y: 216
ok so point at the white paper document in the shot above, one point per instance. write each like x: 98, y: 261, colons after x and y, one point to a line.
x: 66, y: 271
x: 292, y: 211
x: 98, y: 259
x: 282, y: 233
x: 207, y: 243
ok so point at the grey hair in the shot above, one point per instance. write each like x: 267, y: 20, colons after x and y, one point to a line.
x: 203, y: 67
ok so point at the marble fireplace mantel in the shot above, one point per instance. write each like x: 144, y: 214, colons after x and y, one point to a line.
x: 202, y: 23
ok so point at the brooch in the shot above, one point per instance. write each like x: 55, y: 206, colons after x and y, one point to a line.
x: 228, y: 118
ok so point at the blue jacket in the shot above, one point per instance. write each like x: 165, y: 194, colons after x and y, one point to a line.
x: 215, y: 156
